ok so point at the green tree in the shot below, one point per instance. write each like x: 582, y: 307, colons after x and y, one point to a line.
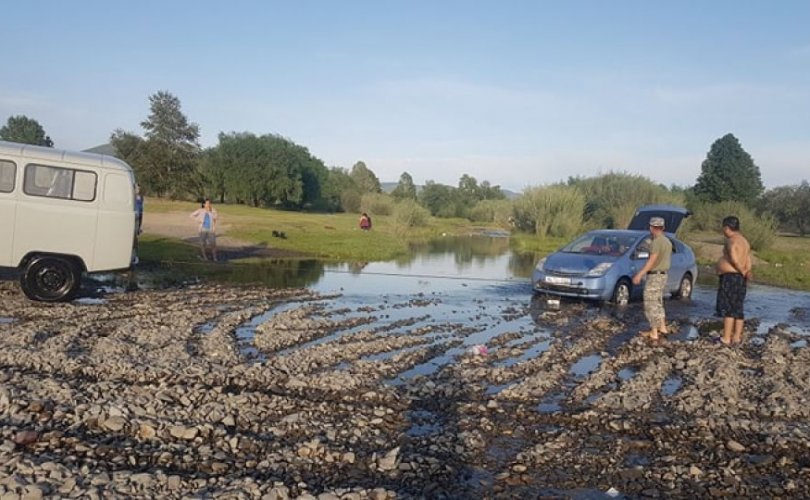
x: 405, y: 190
x: 340, y: 192
x: 440, y: 200
x: 790, y: 206
x: 25, y: 130
x: 489, y: 192
x: 729, y: 174
x: 266, y: 170
x: 365, y: 179
x: 166, y: 160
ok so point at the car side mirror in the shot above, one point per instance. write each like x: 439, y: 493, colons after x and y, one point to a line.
x: 642, y: 255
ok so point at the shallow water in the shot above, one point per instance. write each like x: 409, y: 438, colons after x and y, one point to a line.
x: 474, y: 281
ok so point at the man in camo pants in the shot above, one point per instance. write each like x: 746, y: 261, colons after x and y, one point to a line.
x: 655, y: 270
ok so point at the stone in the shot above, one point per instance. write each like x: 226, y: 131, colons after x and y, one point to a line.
x: 174, y: 482
x: 389, y: 461
x: 146, y: 431
x: 143, y: 479
x: 24, y: 438
x: 735, y: 446
x: 114, y: 424
x: 695, y: 471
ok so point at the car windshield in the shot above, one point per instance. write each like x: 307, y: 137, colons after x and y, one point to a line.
x: 601, y: 244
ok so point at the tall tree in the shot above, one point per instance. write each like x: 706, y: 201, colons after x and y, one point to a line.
x: 405, y: 190
x: 729, y: 174
x: 25, y: 130
x: 166, y: 160
x: 365, y: 179
x: 172, y: 146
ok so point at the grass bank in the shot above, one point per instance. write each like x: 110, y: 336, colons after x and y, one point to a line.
x: 325, y: 236
x: 337, y: 237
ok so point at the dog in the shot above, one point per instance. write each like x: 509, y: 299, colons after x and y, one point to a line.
x: 279, y: 234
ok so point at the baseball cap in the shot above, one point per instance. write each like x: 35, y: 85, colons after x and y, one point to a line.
x: 657, y: 221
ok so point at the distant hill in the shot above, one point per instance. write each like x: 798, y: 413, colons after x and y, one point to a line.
x: 103, y: 149
x: 387, y: 187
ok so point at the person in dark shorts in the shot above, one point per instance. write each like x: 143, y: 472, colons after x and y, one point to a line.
x: 734, y: 270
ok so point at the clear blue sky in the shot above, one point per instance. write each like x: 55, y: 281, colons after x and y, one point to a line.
x: 517, y: 93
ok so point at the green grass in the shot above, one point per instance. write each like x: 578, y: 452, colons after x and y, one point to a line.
x: 529, y: 243
x: 153, y: 249
x: 326, y: 236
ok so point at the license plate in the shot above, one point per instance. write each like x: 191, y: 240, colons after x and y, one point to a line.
x: 554, y: 303
x: 558, y: 280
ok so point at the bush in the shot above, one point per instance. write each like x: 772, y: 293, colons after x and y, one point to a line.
x: 613, y: 198
x: 554, y: 210
x: 760, y: 231
x: 350, y: 201
x: 377, y: 204
x: 409, y: 213
x: 497, y: 211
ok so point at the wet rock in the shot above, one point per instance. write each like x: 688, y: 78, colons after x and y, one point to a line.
x: 114, y: 424
x: 24, y: 438
x: 735, y: 446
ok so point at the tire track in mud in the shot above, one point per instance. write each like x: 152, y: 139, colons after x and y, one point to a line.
x: 388, y: 396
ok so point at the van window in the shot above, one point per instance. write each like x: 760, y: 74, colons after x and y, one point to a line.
x: 8, y: 174
x: 58, y: 182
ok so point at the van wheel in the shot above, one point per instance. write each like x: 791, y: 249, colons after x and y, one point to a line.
x: 50, y: 279
x: 621, y: 294
x: 685, y: 288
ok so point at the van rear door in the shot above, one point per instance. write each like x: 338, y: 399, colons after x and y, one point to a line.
x: 116, y: 222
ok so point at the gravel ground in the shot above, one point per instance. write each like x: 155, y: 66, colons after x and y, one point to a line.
x: 242, y: 392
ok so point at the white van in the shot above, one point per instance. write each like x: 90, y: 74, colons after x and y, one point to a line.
x: 63, y: 213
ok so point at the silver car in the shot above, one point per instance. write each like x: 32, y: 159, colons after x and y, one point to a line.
x: 600, y: 265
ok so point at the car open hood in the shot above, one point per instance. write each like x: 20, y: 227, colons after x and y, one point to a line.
x: 672, y: 215
x: 574, y: 263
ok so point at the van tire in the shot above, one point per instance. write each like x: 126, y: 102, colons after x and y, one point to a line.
x: 50, y: 278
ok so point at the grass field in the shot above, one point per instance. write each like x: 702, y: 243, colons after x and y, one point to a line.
x: 326, y: 236
x: 337, y: 237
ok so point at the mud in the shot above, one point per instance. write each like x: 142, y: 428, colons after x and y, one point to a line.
x: 254, y: 393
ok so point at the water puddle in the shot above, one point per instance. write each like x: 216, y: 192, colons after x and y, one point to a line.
x: 552, y: 403
x: 5, y: 321
x: 627, y: 373
x: 799, y: 344
x: 586, y: 365
x: 423, y: 423
x: 530, y: 353
x: 671, y: 386
x: 90, y: 301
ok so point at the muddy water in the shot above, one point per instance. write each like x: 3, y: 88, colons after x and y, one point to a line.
x: 564, y: 398
x: 479, y: 285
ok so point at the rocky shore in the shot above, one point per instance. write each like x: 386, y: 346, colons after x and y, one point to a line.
x: 241, y: 392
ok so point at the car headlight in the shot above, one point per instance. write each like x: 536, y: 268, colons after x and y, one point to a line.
x: 599, y: 270
x: 540, y: 264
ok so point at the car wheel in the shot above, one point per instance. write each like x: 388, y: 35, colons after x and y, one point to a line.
x: 50, y: 279
x: 621, y: 294
x: 685, y: 288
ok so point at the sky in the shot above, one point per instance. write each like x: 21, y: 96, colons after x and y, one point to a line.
x: 518, y: 93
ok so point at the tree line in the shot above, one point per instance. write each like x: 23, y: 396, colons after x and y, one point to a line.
x: 273, y: 171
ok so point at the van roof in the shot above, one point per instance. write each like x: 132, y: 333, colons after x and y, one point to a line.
x: 62, y: 155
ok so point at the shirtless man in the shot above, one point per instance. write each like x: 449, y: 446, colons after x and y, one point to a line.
x: 734, y: 269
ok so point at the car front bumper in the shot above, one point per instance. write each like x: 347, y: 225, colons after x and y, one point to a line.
x: 579, y: 287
